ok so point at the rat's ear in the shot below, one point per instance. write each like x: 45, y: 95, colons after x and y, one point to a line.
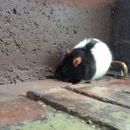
x: 77, y: 61
x: 67, y: 51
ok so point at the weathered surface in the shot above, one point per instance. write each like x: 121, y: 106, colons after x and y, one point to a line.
x: 113, y: 112
x: 17, y: 110
x: 105, y: 102
x: 116, y: 91
x: 53, y: 120
x: 112, y: 116
x: 13, y: 90
x: 31, y: 33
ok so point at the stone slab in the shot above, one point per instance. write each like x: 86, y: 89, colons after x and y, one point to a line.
x: 115, y: 91
x: 106, y: 114
x: 17, y: 110
x: 52, y: 121
x: 23, y: 88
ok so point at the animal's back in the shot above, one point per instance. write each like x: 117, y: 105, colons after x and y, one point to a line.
x: 101, y: 54
x: 103, y: 59
x: 87, y: 43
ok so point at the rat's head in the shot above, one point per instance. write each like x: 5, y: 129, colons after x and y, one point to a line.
x: 70, y: 69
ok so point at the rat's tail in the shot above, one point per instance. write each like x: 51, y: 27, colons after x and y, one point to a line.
x: 125, y: 73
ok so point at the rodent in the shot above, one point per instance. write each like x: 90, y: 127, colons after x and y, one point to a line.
x: 88, y: 60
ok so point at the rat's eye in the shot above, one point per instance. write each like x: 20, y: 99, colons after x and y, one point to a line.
x: 64, y: 69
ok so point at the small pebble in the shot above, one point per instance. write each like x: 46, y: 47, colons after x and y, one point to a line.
x: 40, y: 102
x: 90, y: 122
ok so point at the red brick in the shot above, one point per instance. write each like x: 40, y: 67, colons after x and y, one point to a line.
x: 4, y: 96
x: 110, y: 115
x: 23, y: 88
x: 115, y: 90
x: 17, y: 110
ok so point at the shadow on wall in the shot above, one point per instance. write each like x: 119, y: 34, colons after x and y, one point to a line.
x: 32, y: 31
x: 121, y: 31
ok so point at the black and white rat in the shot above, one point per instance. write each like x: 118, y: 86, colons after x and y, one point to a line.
x: 88, y: 60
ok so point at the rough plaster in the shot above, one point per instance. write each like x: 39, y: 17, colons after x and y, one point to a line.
x: 31, y: 32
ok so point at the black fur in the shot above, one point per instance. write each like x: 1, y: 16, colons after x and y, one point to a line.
x: 90, y: 45
x: 66, y: 71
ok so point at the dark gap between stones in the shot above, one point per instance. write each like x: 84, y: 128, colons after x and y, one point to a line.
x: 36, y: 97
x: 95, y: 97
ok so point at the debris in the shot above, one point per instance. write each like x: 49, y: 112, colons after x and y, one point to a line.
x: 90, y: 122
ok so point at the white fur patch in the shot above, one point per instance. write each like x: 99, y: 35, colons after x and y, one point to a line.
x: 102, y: 56
x: 85, y: 42
x: 103, y: 59
x: 81, y: 44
